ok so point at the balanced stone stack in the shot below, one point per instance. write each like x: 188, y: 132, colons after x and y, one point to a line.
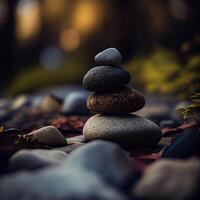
x: 112, y: 102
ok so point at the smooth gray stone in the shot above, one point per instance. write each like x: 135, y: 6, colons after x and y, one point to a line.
x: 48, y: 135
x: 56, y: 183
x: 127, y: 130
x: 169, y: 180
x: 75, y: 104
x: 110, y: 56
x: 105, y: 78
x: 105, y: 159
x: 36, y: 158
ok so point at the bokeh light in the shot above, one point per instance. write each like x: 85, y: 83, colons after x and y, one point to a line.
x: 27, y: 19
x: 69, y: 39
x: 87, y: 15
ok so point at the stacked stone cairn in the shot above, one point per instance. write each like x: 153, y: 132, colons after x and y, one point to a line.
x: 113, y: 103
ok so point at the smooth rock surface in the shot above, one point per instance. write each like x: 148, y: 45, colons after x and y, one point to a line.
x: 123, y: 101
x: 75, y: 104
x: 169, y: 180
x: 126, y: 130
x: 56, y: 183
x: 36, y: 158
x: 110, y: 56
x: 105, y: 159
x: 48, y: 135
x: 105, y: 78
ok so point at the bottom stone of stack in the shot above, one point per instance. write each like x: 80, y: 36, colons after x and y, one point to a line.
x: 128, y: 131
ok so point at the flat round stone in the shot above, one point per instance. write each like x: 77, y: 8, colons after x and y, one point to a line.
x: 105, y: 78
x: 110, y: 56
x: 127, y: 130
x: 122, y: 101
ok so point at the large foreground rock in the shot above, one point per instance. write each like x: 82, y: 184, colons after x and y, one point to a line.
x: 170, y: 180
x: 105, y: 159
x: 36, y: 158
x: 128, y: 131
x: 57, y: 183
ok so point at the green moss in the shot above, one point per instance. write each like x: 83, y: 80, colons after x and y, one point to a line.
x: 37, y: 77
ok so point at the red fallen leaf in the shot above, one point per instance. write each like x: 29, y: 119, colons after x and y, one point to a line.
x: 172, y: 131
x: 139, y: 166
x: 146, y: 159
x: 70, y: 125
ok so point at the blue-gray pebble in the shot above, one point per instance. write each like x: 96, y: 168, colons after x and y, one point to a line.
x: 110, y: 56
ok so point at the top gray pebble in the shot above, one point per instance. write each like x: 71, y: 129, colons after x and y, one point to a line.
x: 110, y: 56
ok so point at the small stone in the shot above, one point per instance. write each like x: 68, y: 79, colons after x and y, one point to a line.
x: 127, y: 130
x: 75, y: 104
x: 170, y: 180
x: 51, y: 103
x: 123, y: 101
x: 49, y: 136
x: 56, y: 183
x: 27, y: 159
x: 105, y: 159
x: 185, y: 144
x: 105, y: 78
x: 110, y: 56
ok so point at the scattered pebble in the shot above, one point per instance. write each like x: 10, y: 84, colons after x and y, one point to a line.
x: 49, y: 136
x: 51, y: 103
x: 75, y: 104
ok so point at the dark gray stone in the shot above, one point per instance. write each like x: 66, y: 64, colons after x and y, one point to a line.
x: 48, y: 135
x: 169, y: 180
x: 37, y: 158
x: 127, y: 130
x: 105, y: 78
x: 75, y: 104
x: 184, y: 145
x: 110, y: 56
x: 56, y: 183
x: 105, y: 159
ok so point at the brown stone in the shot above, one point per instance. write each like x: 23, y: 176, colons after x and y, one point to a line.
x: 122, y: 101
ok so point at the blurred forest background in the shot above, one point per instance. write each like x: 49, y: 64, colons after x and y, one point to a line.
x: 53, y: 42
